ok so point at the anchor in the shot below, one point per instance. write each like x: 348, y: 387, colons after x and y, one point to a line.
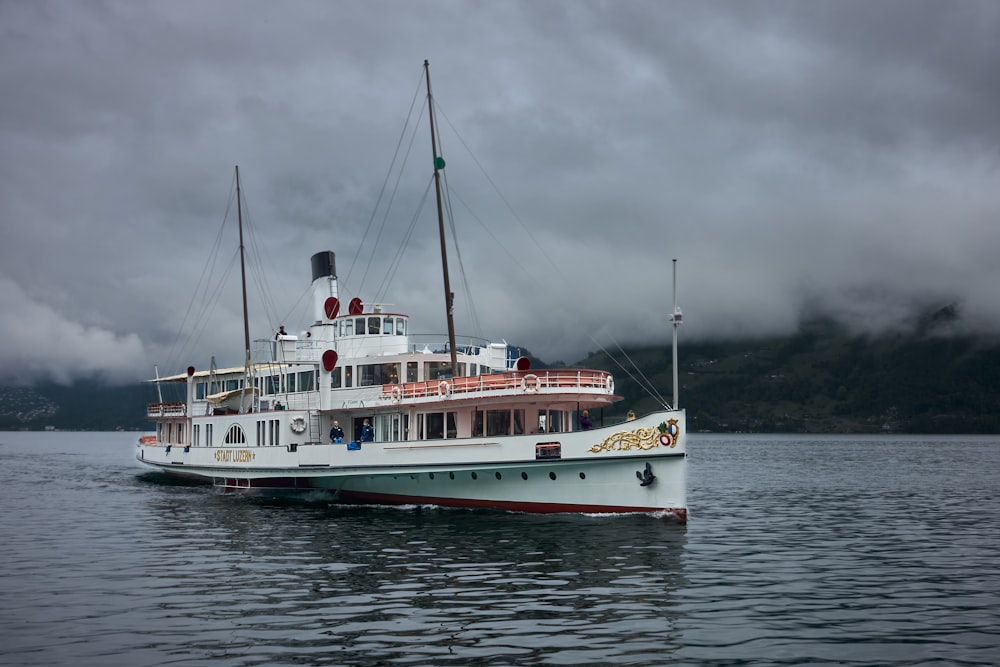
x: 646, y: 477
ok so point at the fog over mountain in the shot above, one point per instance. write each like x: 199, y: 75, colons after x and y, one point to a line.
x: 797, y: 158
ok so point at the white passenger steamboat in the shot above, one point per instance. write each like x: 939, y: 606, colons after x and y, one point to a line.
x: 455, y: 421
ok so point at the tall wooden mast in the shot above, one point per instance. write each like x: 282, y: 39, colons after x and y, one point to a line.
x: 449, y: 296
x: 246, y: 318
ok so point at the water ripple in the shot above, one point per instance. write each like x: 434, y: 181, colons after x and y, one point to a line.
x: 799, y: 551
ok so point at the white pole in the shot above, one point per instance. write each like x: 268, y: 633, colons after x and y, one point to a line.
x: 676, y: 318
x: 159, y: 392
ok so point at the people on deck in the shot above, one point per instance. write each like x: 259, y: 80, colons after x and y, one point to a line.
x: 585, y: 423
x: 281, y: 332
x: 336, y: 433
x: 367, y: 432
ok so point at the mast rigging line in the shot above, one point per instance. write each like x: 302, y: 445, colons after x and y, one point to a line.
x: 642, y: 381
x: 397, y: 259
x: 202, y: 285
x: 211, y: 283
x: 385, y: 183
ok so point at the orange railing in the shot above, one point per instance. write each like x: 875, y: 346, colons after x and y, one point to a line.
x: 523, y: 382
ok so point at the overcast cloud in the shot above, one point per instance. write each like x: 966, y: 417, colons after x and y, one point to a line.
x: 795, y: 157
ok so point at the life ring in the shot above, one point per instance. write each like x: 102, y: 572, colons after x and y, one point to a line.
x: 530, y: 383
x: 298, y: 425
x: 396, y: 393
x: 444, y: 389
x: 610, y: 384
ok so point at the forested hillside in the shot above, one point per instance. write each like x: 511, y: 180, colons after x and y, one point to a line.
x: 824, y: 380
x: 821, y: 379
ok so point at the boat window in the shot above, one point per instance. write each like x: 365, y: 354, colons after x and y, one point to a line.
x: 347, y: 327
x: 291, y: 382
x: 348, y: 376
x: 497, y: 422
x: 420, y: 426
x: 200, y: 390
x: 435, y: 422
x: 335, y: 378
x: 400, y: 326
x: 435, y: 370
x: 554, y: 421
x: 272, y: 385
x: 518, y: 422
x: 208, y: 435
x: 307, y: 381
x: 387, y: 326
x: 196, y: 440
x: 472, y: 369
x: 374, y: 325
x: 461, y: 370
x: 359, y: 326
x: 390, y: 428
x: 232, y: 385
x: 378, y: 374
x: 391, y: 373
x: 477, y: 423
x: 235, y: 435
x: 435, y: 425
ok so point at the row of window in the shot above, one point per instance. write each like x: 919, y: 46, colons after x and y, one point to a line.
x: 367, y: 375
x: 268, y: 434
x: 372, y: 325
x: 388, y: 428
x: 489, y: 423
x: 288, y: 383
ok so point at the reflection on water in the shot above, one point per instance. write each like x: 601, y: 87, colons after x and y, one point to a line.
x: 800, y: 550
x: 343, y: 584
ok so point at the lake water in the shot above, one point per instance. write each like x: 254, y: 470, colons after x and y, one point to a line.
x: 818, y: 550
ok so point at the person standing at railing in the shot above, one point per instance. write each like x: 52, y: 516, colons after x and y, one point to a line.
x: 367, y: 432
x: 585, y: 423
x: 336, y: 433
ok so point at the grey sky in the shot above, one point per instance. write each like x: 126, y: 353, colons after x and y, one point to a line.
x: 837, y: 157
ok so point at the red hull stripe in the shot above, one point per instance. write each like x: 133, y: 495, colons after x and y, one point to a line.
x: 364, y: 497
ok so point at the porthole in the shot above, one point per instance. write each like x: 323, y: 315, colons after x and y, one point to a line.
x: 499, y: 476
x: 431, y: 475
x: 524, y: 475
x: 583, y: 475
x: 552, y: 475
x: 451, y: 475
x: 475, y: 476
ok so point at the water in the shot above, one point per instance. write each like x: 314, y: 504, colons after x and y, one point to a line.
x: 799, y: 550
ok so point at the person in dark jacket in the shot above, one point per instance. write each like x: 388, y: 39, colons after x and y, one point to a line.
x: 585, y: 423
x: 336, y: 433
x: 367, y: 432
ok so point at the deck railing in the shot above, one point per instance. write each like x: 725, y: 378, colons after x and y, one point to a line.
x: 166, y: 410
x: 526, y: 382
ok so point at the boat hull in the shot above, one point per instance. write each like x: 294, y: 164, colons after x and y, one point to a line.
x: 637, y: 466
